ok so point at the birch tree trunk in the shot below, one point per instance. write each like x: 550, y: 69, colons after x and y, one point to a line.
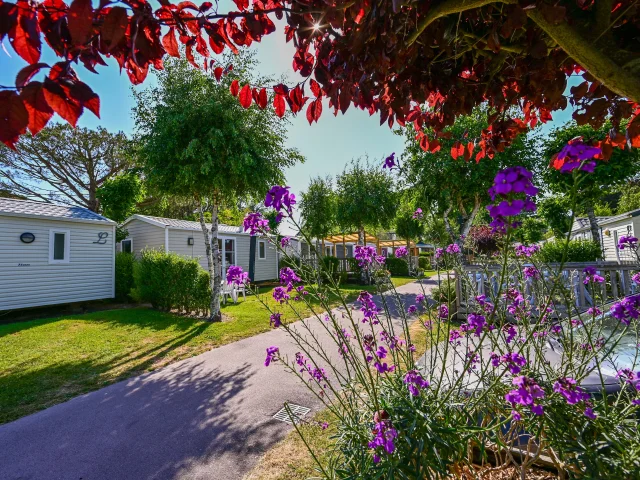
x: 213, y: 262
x: 593, y: 223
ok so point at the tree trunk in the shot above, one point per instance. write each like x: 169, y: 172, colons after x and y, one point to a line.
x: 593, y: 223
x: 213, y: 261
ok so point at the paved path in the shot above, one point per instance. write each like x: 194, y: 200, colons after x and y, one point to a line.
x: 206, y: 417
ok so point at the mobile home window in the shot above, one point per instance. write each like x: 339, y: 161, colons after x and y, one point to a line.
x: 262, y: 250
x: 127, y: 246
x: 58, y: 246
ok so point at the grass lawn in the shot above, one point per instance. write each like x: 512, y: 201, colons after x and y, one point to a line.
x: 45, y: 362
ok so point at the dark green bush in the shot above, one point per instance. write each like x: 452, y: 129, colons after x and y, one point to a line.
x: 577, y: 251
x: 293, y: 263
x: 169, y: 281
x: 124, y: 276
x: 330, y: 264
x: 354, y: 266
x: 445, y: 292
x: 424, y: 262
x: 397, y: 266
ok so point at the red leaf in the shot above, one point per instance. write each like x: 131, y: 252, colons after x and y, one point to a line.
x: 27, y: 73
x: 359, y: 16
x: 279, y: 105
x: 114, y: 26
x: 218, y: 73
x: 170, y: 43
x: 241, y: 4
x: 468, y: 151
x: 39, y: 110
x: 245, y: 96
x: 86, y: 97
x: 58, y: 100
x: 13, y: 118
x: 80, y: 21
x: 234, y: 88
x: 262, y: 98
x: 434, y: 146
x: 310, y: 112
x: 188, y: 51
x: 25, y: 34
x: 633, y: 131
x: 457, y: 150
x: 315, y: 88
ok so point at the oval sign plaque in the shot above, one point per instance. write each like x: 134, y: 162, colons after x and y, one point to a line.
x: 27, y: 237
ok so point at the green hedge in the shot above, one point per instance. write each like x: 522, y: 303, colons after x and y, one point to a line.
x: 424, y: 263
x: 170, y: 282
x: 577, y: 251
x: 124, y: 276
x: 397, y: 266
x: 330, y: 264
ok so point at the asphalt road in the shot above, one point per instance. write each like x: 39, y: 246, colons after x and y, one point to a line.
x: 206, y: 417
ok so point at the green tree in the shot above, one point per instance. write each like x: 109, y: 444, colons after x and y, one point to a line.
x: 556, y: 212
x: 408, y: 227
x: 318, y: 209
x: 64, y: 164
x: 119, y: 198
x: 630, y: 198
x: 197, y: 141
x: 457, y: 189
x: 623, y: 165
x: 366, y: 198
x: 532, y: 230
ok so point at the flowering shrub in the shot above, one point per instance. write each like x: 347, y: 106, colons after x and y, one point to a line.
x: 520, y: 370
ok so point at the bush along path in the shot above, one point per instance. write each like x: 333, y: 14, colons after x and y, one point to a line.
x: 208, y: 416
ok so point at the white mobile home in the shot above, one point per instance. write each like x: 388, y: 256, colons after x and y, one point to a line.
x: 53, y: 254
x: 255, y: 255
x: 611, y: 229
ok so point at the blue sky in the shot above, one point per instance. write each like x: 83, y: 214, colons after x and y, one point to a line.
x: 327, y: 145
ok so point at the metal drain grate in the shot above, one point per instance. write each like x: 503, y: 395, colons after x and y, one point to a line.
x: 297, y: 412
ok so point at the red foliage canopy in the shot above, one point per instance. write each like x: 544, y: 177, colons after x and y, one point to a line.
x: 409, y: 62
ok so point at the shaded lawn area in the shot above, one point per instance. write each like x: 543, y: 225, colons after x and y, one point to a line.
x: 48, y: 361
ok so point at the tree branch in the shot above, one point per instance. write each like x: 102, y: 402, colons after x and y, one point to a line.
x: 447, y: 8
x: 605, y: 70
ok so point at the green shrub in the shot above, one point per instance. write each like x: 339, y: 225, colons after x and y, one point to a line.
x: 293, y: 263
x: 424, y: 262
x: 124, y: 276
x: 445, y: 292
x: 428, y: 253
x: 577, y: 251
x: 397, y: 266
x: 330, y: 264
x: 169, y: 281
x: 354, y: 266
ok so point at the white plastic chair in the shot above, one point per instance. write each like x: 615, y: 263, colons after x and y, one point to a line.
x: 227, y: 289
x: 240, y: 289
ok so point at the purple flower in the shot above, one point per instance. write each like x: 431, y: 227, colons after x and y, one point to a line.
x: 569, y: 389
x: 511, y: 332
x: 324, y: 425
x: 415, y: 382
x: 531, y: 272
x: 365, y: 255
x: 390, y: 161
x: 591, y: 276
x: 381, y: 352
x: 284, y: 242
x: 288, y: 277
x: 528, y: 393
x: 476, y: 323
x: 454, y: 337
x: 627, y: 309
x: 594, y: 311
x: 443, y: 311
x: 589, y: 413
x: 275, y: 320
x: 635, y: 402
x: 412, y: 309
x: 524, y: 251
x: 401, y: 252
x: 383, y: 367
x: 280, y: 295
x: 255, y: 223
x: 369, y: 308
x: 420, y: 298
x: 418, y: 215
x: 576, y: 150
x: 279, y: 197
x: 516, y: 415
x: 627, y: 241
x: 272, y: 355
x: 514, y: 361
x: 439, y: 252
x: 513, y: 187
x: 453, y: 248
x: 236, y: 275
x: 636, y: 277
x: 384, y: 435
